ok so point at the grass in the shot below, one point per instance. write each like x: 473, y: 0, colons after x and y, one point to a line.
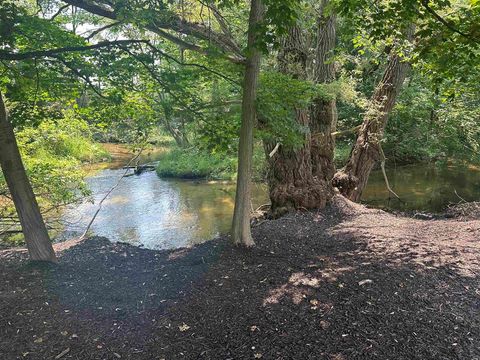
x: 196, y: 164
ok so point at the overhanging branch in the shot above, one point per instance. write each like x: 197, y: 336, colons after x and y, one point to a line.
x: 222, y: 41
x: 6, y: 55
x: 445, y: 22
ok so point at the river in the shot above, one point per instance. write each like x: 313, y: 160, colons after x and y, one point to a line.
x: 157, y: 213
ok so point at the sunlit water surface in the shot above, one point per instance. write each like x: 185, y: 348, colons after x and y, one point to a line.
x: 162, y: 214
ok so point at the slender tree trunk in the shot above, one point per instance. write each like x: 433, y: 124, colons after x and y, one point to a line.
x: 241, y: 231
x: 179, y: 136
x: 34, y: 229
x: 324, y: 112
x: 352, y: 179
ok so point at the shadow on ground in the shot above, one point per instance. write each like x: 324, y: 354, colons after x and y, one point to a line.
x: 315, y: 287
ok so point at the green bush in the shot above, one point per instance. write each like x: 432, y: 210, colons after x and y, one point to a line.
x: 53, y: 153
x: 342, y: 153
x: 194, y: 164
x: 201, y: 164
x: 68, y: 137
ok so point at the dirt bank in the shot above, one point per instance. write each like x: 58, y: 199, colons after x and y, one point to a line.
x: 344, y: 283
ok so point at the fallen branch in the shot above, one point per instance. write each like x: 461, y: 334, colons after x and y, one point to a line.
x: 347, y: 131
x: 382, y: 165
x: 339, y: 133
x: 100, y: 204
x: 274, y: 151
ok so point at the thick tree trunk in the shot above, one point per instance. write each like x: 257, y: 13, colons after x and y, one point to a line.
x: 241, y: 231
x: 291, y: 183
x: 301, y: 178
x: 34, y: 229
x: 352, y: 179
x: 324, y: 112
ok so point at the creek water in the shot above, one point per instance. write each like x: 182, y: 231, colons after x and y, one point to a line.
x: 148, y: 211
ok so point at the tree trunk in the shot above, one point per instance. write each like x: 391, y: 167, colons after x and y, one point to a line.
x: 241, y: 231
x: 324, y: 112
x: 301, y: 178
x: 34, y: 229
x: 352, y: 179
x: 179, y: 136
x: 291, y: 182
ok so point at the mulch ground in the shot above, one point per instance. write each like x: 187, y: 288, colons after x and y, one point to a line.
x: 344, y: 283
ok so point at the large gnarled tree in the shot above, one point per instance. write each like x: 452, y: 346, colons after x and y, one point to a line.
x: 300, y: 177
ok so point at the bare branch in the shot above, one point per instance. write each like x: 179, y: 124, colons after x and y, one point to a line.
x: 59, y: 11
x: 103, y: 28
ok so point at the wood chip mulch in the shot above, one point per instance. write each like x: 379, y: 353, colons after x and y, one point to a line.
x: 343, y: 283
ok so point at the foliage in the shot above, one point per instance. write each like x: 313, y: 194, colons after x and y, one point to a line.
x: 53, y: 154
x: 427, y: 126
x: 280, y: 96
x: 194, y: 164
x: 202, y: 164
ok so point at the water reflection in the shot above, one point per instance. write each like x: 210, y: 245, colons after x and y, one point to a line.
x: 157, y: 213
x: 425, y: 187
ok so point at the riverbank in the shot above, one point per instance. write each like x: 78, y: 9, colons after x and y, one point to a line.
x: 344, y: 283
x: 195, y: 164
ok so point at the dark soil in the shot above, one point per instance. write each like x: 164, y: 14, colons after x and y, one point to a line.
x: 344, y: 283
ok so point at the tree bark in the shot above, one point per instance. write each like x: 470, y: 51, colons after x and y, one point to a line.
x: 352, y: 179
x: 291, y: 182
x: 241, y: 231
x: 33, y: 227
x: 301, y: 178
x: 178, y: 135
x: 324, y: 112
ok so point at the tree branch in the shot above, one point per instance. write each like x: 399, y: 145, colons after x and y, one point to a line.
x: 160, y: 81
x: 6, y: 55
x: 222, y: 41
x: 93, y: 8
x: 200, y: 66
x: 444, y: 22
x: 81, y: 76
x: 103, y: 28
x: 59, y: 11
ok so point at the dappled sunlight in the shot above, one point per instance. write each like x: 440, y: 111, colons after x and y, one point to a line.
x: 301, y: 278
x: 296, y: 294
x: 300, y: 285
x: 428, y: 244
